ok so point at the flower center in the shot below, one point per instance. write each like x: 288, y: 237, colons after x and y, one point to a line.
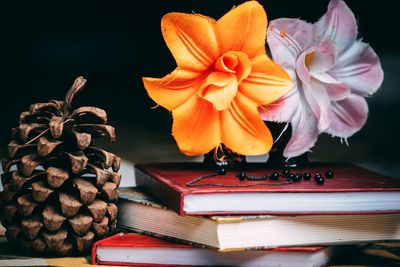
x: 221, y: 84
x: 227, y: 63
x: 235, y: 63
x: 309, y: 59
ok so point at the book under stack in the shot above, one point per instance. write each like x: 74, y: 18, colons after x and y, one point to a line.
x: 219, y: 220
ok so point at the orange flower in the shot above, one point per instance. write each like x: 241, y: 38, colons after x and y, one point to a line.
x: 223, y: 74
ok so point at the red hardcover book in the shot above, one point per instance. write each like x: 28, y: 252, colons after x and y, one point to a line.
x: 140, y: 213
x: 351, y: 190
x: 138, y: 249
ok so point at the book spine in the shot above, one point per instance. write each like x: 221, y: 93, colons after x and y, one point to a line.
x: 167, y: 196
x: 94, y: 253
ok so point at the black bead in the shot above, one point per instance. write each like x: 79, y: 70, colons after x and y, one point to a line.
x: 241, y: 175
x: 290, y: 176
x: 221, y: 171
x: 297, y: 177
x: 318, y: 176
x: 307, y: 176
x: 274, y: 176
x: 329, y: 174
x: 319, y: 179
x: 286, y: 173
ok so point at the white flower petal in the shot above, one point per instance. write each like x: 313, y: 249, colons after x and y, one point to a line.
x: 287, y: 38
x: 304, y: 131
x: 337, y: 92
x: 348, y: 116
x: 338, y: 24
x: 318, y: 99
x: 302, y: 71
x: 324, y: 77
x: 359, y: 67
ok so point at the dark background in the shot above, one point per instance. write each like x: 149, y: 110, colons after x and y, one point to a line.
x: 46, y: 44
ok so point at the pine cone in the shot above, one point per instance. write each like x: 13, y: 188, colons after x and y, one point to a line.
x: 59, y: 190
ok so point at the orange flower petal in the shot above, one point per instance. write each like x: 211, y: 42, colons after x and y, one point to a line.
x: 243, y: 131
x: 234, y: 62
x: 174, y: 89
x: 218, y: 78
x: 267, y: 82
x: 220, y: 96
x: 227, y: 62
x: 196, y: 127
x: 245, y: 66
x: 244, y: 28
x: 191, y: 40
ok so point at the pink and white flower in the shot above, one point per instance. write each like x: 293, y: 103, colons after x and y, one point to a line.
x: 332, y: 71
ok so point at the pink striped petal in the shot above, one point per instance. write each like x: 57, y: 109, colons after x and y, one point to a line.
x: 360, y: 69
x: 324, y: 77
x: 337, y: 92
x: 348, y: 116
x: 318, y: 99
x: 338, y: 24
x: 287, y: 38
x: 304, y: 131
x: 281, y: 110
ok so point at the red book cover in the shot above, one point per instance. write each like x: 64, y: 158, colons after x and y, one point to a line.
x: 131, y: 240
x: 168, y: 183
x: 140, y: 241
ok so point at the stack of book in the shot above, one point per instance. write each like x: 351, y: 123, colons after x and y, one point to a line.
x: 180, y: 219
